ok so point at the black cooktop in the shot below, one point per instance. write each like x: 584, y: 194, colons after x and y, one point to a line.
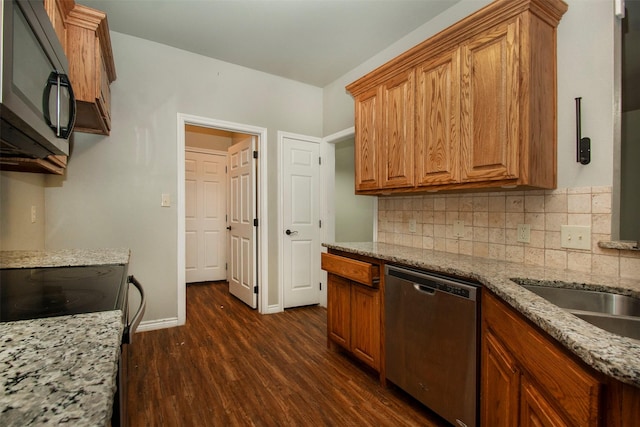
x: 30, y: 293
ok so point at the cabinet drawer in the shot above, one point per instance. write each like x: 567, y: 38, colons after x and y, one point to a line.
x: 358, y: 271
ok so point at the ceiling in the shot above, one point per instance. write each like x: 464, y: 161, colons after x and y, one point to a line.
x: 311, y: 41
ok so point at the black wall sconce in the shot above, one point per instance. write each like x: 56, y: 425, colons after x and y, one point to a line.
x: 583, y: 145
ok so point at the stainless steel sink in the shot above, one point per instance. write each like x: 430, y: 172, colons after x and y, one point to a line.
x: 627, y: 326
x: 584, y: 300
x: 618, y: 314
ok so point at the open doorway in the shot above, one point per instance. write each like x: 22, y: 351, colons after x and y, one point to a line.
x: 212, y: 136
x: 354, y: 214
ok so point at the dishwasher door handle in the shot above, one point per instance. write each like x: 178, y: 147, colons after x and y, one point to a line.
x: 424, y: 289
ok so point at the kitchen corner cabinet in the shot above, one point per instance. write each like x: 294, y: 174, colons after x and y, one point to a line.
x: 479, y: 106
x: 354, y: 307
x: 528, y: 380
x: 91, y: 68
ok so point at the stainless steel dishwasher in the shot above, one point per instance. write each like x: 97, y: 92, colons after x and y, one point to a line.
x: 431, y: 324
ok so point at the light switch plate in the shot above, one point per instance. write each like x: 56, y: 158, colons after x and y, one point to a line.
x: 575, y: 237
x: 166, y: 200
x: 412, y: 225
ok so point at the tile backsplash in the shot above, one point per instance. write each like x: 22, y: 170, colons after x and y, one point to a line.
x: 491, y: 220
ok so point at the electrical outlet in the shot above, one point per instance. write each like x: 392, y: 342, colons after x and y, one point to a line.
x: 458, y: 228
x: 412, y: 225
x: 524, y: 233
x: 575, y: 237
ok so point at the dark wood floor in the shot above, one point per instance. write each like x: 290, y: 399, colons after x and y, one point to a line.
x: 231, y: 366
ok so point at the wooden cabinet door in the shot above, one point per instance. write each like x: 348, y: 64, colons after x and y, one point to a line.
x: 489, y: 105
x: 536, y: 411
x: 437, y: 136
x: 367, y: 124
x: 365, y: 324
x: 338, y: 310
x: 500, y: 384
x: 397, y: 131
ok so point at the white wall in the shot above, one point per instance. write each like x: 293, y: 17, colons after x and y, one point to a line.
x: 585, y: 68
x: 111, y: 194
x: 353, y: 213
x: 18, y: 193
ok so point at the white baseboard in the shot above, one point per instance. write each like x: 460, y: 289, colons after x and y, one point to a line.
x: 151, y: 325
x: 275, y: 308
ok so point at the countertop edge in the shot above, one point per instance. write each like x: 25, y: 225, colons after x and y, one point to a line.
x: 63, y: 257
x: 605, y: 352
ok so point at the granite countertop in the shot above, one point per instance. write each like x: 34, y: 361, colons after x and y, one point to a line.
x: 59, y: 370
x: 613, y: 355
x: 63, y: 258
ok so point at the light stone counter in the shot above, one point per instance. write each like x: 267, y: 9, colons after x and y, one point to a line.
x: 59, y: 370
x: 613, y: 355
x: 63, y: 258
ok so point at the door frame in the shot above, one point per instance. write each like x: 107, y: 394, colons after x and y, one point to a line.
x: 327, y: 195
x: 327, y: 201
x: 263, y: 235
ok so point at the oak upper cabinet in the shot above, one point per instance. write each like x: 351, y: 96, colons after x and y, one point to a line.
x: 396, y: 131
x: 437, y: 157
x: 367, y: 167
x: 489, y: 119
x: 481, y: 97
x: 91, y: 68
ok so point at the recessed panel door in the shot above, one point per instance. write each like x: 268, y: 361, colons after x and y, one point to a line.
x: 205, y: 209
x: 242, y: 231
x: 301, y: 216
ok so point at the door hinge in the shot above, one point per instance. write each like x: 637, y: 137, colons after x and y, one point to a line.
x: 255, y: 154
x: 320, y: 223
x: 255, y: 222
x: 319, y: 160
x: 255, y: 289
x: 226, y: 266
x: 320, y: 285
x: 225, y: 170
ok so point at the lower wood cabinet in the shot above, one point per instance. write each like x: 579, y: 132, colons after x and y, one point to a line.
x: 354, y: 309
x: 529, y: 379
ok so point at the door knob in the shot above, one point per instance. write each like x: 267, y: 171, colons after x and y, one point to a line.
x: 291, y: 233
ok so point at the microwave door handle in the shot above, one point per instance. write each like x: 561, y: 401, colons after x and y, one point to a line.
x: 58, y: 109
x: 66, y: 83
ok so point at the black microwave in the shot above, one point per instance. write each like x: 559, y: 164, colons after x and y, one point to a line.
x: 37, y: 108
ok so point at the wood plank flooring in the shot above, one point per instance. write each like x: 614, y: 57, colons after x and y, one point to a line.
x: 231, y: 366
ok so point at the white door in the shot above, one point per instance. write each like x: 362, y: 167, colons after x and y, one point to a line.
x: 301, y: 221
x: 205, y: 209
x: 242, y: 213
